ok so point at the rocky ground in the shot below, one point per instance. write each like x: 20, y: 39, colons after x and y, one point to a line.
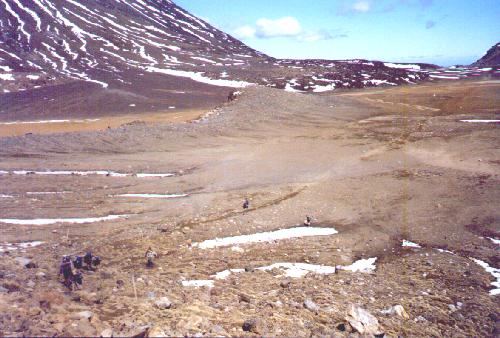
x: 380, y: 166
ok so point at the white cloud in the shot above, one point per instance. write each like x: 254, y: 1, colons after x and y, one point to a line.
x: 284, y: 27
x: 244, y: 32
x: 267, y: 28
x: 362, y: 6
x: 287, y: 26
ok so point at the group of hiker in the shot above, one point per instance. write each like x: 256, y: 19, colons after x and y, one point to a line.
x: 71, y: 270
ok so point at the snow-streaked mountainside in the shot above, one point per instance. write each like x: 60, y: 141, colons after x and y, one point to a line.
x: 99, y: 40
x: 490, y: 59
x: 150, y: 54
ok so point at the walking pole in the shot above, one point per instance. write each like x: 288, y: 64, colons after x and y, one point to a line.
x: 133, y: 285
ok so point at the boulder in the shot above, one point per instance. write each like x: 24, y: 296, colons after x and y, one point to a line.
x: 11, y: 286
x: 85, y: 315
x: 311, y: 306
x: 163, y: 303
x: 253, y: 325
x: 244, y: 298
x: 88, y: 298
x: 362, y: 321
x: 23, y: 261
x: 285, y: 283
x: 396, y: 310
x: 31, y: 265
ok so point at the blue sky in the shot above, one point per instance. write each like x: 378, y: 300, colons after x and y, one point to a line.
x: 443, y: 32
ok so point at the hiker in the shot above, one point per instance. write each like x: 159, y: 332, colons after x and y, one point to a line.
x: 96, y: 261
x: 67, y: 272
x: 87, y: 259
x: 77, y: 280
x: 78, y: 262
x: 150, y: 255
x: 246, y: 204
x: 308, y: 221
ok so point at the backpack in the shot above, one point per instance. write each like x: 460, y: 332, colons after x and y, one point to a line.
x: 78, y: 279
x: 78, y: 262
x: 96, y: 261
x: 87, y: 258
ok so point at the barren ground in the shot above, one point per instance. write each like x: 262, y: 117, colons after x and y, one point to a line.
x: 378, y: 165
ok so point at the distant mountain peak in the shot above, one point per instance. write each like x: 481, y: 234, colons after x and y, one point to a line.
x: 490, y: 59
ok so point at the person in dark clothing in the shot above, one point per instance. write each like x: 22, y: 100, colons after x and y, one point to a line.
x: 78, y: 262
x: 87, y: 259
x: 246, y: 204
x: 77, y: 279
x: 150, y: 255
x: 308, y: 221
x: 96, y: 260
x: 67, y: 271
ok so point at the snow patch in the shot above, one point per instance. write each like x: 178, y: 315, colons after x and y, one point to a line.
x: 5, y: 68
x: 226, y: 273
x: 174, y: 48
x: 85, y: 173
x: 494, y: 240
x: 401, y: 66
x: 445, y: 251
x: 198, y: 77
x: 266, y: 237
x: 481, y: 121
x: 198, y: 283
x: 47, y: 221
x: 298, y: 270
x: 322, y: 89
x: 47, y: 192
x: 494, y: 272
x: 445, y: 77
x: 408, y: 244
x: 362, y: 265
x: 7, y: 77
x: 142, y: 175
x: 152, y: 195
x: 18, y: 246
x: 48, y: 122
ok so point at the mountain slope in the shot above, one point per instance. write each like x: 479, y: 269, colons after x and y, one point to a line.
x: 129, y: 56
x: 100, y: 40
x: 490, y: 59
